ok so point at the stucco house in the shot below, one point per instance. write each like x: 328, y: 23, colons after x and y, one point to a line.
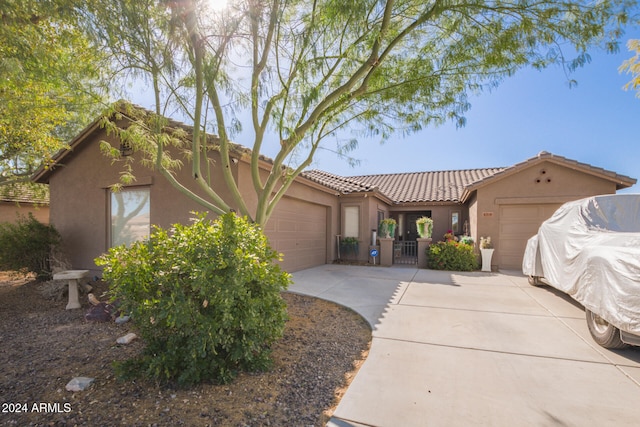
x: 22, y: 200
x: 506, y: 203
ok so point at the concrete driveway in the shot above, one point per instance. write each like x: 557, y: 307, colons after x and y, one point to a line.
x: 469, y: 349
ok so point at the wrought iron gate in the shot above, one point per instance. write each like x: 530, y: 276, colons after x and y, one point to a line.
x: 405, y: 252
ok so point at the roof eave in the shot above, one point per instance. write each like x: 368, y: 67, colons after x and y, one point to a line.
x: 621, y: 181
x: 41, y: 175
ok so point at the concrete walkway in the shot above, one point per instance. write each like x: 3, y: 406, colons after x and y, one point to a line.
x: 474, y: 349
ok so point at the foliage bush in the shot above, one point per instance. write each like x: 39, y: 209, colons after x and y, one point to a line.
x: 451, y: 255
x: 350, y: 246
x: 26, y: 246
x: 205, y: 298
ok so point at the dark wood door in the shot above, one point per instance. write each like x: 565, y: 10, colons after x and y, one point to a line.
x: 411, y: 232
x: 411, y: 229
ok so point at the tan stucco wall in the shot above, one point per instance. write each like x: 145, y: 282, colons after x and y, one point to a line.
x: 79, y: 195
x: 301, y: 191
x: 10, y: 210
x: 440, y: 213
x: 79, y: 200
x: 473, y: 216
x: 369, y: 205
x: 364, y: 221
x: 542, y: 183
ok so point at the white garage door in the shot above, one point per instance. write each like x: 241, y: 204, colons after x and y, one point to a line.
x: 298, y: 230
x: 517, y: 224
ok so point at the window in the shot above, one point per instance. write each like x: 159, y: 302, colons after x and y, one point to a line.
x: 455, y: 222
x: 352, y: 221
x: 130, y: 220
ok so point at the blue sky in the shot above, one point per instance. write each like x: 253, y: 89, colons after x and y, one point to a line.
x: 595, y: 122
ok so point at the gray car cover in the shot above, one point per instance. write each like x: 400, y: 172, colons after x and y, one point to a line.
x: 590, y: 249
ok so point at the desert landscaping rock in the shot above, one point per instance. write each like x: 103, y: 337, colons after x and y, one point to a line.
x: 79, y: 383
x: 122, y: 319
x: 44, y: 345
x: 127, y: 338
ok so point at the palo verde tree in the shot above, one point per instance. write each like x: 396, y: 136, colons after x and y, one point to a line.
x: 632, y: 66
x: 309, y: 70
x: 48, y: 88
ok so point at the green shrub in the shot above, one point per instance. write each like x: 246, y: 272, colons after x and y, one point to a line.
x: 452, y: 256
x: 26, y: 246
x: 205, y: 298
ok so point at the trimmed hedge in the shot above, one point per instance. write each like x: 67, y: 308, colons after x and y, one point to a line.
x: 205, y: 298
x: 452, y: 256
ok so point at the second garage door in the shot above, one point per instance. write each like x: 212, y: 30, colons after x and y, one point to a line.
x: 517, y: 224
x: 298, y: 229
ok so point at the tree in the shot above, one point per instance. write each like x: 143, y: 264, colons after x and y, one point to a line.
x: 308, y: 71
x: 632, y: 66
x: 48, y: 85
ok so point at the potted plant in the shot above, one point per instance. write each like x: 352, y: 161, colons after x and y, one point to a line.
x: 387, y: 227
x: 467, y: 240
x: 425, y: 227
x: 486, y: 250
x: 349, y: 246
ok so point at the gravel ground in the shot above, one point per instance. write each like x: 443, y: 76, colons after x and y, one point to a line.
x: 43, y: 346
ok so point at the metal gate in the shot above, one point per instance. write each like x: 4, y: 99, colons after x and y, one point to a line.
x: 405, y: 252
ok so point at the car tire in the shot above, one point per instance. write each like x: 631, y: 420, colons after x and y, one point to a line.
x: 535, y: 281
x: 602, y: 332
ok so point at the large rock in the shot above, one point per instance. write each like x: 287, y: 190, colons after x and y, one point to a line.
x: 127, y: 338
x: 79, y: 383
x: 101, y: 312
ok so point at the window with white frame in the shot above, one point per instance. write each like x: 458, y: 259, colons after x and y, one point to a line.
x: 130, y: 215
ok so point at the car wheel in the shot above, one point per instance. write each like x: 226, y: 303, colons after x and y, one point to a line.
x: 604, y: 333
x: 535, y: 281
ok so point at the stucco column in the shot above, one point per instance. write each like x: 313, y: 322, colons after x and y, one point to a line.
x: 423, y: 244
x: 386, y: 251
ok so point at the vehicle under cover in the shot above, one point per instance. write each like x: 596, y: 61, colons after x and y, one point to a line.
x: 590, y: 249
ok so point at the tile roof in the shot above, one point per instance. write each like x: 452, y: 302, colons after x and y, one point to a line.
x: 436, y: 186
x: 25, y: 193
x: 335, y: 182
x: 446, y: 186
x: 125, y: 108
x: 414, y: 187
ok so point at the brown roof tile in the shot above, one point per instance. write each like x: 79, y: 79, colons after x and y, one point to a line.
x: 415, y: 187
x: 437, y: 186
x: 338, y: 183
x: 25, y: 193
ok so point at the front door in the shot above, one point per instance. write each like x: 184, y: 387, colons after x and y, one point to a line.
x: 411, y: 232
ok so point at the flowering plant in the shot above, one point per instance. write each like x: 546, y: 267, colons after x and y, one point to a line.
x: 467, y: 240
x: 449, y: 236
x: 425, y: 226
x: 387, y: 227
x: 485, y: 243
x: 452, y: 256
